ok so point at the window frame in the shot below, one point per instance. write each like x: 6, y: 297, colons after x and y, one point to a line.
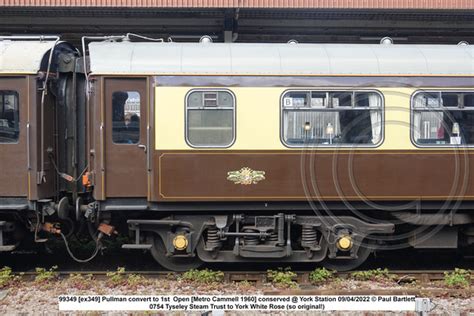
x: 441, y: 109
x: 17, y: 95
x: 211, y: 108
x: 342, y: 90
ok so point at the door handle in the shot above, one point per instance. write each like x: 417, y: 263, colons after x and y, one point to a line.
x: 28, y: 158
x: 142, y: 147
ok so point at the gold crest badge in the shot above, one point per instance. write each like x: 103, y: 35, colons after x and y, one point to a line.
x: 246, y: 176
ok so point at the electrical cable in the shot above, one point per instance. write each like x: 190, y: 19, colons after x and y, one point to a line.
x: 71, y: 227
x: 145, y: 38
x: 37, y: 225
x: 65, y: 175
x: 98, y: 246
x: 91, y: 230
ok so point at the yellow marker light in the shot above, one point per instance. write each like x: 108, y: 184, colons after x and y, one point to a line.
x: 344, y: 243
x: 180, y: 242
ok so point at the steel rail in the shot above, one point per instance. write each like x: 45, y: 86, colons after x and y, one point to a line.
x: 259, y: 277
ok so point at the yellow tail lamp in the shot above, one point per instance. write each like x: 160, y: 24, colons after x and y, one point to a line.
x: 344, y: 243
x: 180, y: 242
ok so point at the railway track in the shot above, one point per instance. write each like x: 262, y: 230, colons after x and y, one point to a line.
x: 429, y: 283
x: 423, y: 277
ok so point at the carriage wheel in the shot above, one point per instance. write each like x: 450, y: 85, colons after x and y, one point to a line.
x: 178, y: 264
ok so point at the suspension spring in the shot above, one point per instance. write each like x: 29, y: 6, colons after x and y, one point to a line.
x: 309, y: 236
x: 213, y: 240
x: 273, y: 236
x: 250, y: 240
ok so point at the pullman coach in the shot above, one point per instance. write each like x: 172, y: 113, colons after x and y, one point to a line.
x: 231, y: 152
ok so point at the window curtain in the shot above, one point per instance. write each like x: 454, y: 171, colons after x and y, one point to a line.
x: 333, y: 118
x: 375, y: 105
x: 427, y: 125
x: 318, y: 120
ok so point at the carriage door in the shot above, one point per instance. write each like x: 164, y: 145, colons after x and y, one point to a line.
x: 13, y: 137
x: 125, y: 137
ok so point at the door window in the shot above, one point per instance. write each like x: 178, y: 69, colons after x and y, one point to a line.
x: 126, y: 117
x: 9, y: 117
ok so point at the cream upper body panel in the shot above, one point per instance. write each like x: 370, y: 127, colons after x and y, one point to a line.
x: 258, y: 120
x: 258, y: 109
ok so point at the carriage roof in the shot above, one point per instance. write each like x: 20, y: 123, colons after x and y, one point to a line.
x: 279, y: 59
x: 17, y: 56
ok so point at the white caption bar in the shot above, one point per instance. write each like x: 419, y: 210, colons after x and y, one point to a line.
x: 236, y: 303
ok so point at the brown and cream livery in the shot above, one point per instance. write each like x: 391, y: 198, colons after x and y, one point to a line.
x: 277, y: 152
x: 38, y: 134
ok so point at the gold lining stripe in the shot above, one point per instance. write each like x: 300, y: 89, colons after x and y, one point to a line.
x: 332, y: 197
x: 18, y: 73
x: 276, y: 75
x: 159, y: 175
x: 148, y: 141
x: 28, y: 122
x: 102, y: 145
x: 325, y: 152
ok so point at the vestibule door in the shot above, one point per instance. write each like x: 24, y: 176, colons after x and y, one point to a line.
x: 13, y: 137
x: 126, y: 104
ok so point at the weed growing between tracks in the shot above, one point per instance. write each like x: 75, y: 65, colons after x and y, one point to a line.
x: 116, y: 278
x: 321, y: 275
x: 205, y: 276
x: 245, y: 286
x: 379, y: 275
x: 7, y: 278
x: 44, y: 276
x: 120, y: 278
x: 79, y: 281
x: 283, y: 278
x: 460, y: 278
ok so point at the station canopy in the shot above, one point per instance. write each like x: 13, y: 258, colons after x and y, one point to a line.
x: 257, y: 21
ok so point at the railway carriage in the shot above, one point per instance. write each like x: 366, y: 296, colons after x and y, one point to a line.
x: 35, y: 73
x: 318, y: 153
x: 280, y: 152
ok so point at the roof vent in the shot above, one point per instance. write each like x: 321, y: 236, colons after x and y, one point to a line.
x: 205, y: 39
x: 292, y: 41
x: 386, y: 41
x: 463, y: 43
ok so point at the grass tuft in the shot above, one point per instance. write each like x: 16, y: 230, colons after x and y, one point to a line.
x: 282, y: 278
x: 459, y: 278
x: 321, y: 275
x: 205, y: 276
x: 7, y: 277
x: 379, y: 275
x: 46, y: 276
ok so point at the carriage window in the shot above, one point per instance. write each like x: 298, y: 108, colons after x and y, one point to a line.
x: 125, y: 117
x: 9, y: 117
x: 331, y: 118
x: 210, y: 118
x: 443, y: 118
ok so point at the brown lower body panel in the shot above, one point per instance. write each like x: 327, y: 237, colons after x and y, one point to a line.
x: 311, y: 175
